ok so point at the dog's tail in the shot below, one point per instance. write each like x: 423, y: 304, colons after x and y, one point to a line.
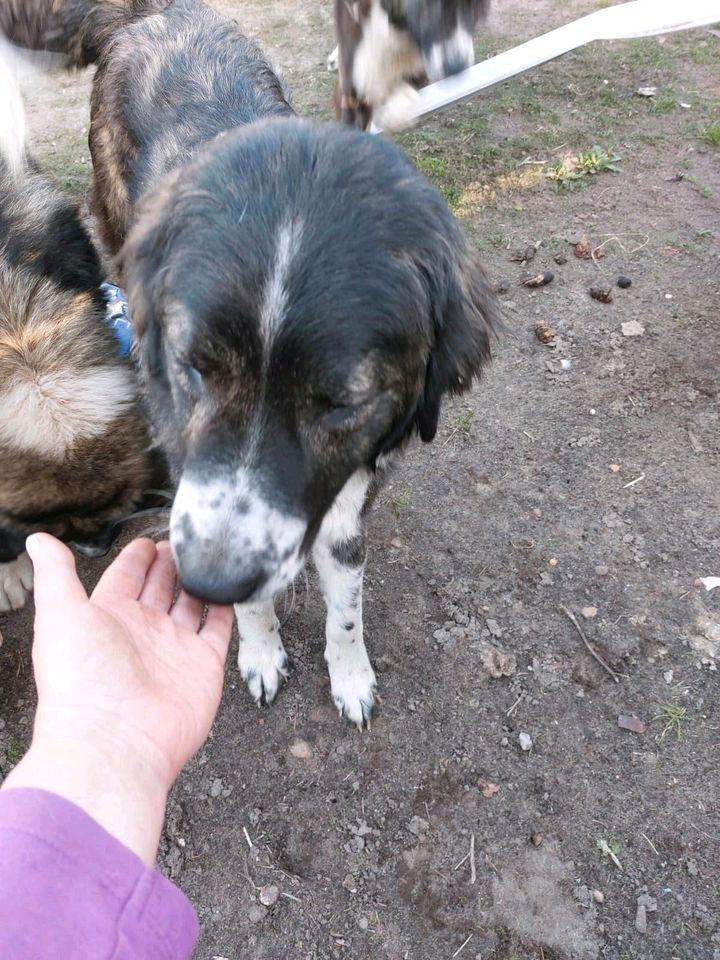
x: 77, y: 30
x: 13, y: 142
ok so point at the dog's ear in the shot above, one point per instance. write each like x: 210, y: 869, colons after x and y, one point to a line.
x: 465, y: 319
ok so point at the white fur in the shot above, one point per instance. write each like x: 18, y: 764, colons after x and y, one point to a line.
x: 50, y: 413
x: 16, y: 582
x: 352, y: 679
x: 12, y: 114
x: 459, y: 46
x: 384, y: 58
x: 231, y: 536
x: 275, y: 295
x: 397, y: 111
x: 332, y: 61
x: 261, y: 656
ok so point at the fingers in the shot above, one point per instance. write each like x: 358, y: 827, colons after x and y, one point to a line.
x: 218, y: 629
x: 187, y: 612
x: 159, y: 588
x: 56, y: 582
x: 126, y: 576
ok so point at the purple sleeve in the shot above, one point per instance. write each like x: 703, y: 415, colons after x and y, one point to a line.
x: 68, y: 889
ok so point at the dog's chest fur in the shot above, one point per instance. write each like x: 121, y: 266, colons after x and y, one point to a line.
x: 385, y: 56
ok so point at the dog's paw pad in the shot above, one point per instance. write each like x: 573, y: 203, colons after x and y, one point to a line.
x: 16, y: 582
x: 264, y: 667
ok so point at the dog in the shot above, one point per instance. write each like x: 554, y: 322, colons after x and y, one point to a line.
x: 74, y: 445
x: 302, y: 299
x: 386, y: 47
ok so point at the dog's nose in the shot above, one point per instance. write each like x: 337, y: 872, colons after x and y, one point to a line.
x: 455, y: 63
x: 219, y: 586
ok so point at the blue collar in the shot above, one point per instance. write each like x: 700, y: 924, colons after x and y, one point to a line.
x: 117, y: 316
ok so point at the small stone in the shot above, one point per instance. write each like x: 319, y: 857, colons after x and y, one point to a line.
x: 363, y: 923
x: 502, y: 287
x: 257, y: 913
x: 692, y: 868
x: 624, y: 282
x: 602, y: 571
x: 582, y: 895
x: 560, y: 260
x: 418, y: 826
x: 269, y: 896
x: 537, y: 512
x: 589, y: 613
x: 641, y: 919
x: 668, y: 676
x: 301, y: 750
x: 525, y: 741
x: 216, y: 788
x: 552, y: 562
x: 632, y: 329
x: 494, y: 628
x: 536, y: 839
x: 349, y: 883
x: 598, y: 896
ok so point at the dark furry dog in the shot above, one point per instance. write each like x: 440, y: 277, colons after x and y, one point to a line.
x: 385, y: 46
x: 303, y: 300
x: 73, y: 441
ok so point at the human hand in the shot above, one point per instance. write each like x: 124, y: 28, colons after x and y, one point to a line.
x: 128, y: 686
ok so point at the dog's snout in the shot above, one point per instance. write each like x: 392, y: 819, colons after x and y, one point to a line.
x: 218, y: 584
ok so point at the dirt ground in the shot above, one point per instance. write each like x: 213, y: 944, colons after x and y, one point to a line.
x: 583, y: 473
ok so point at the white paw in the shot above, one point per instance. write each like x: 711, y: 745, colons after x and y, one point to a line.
x: 263, y: 665
x: 16, y: 582
x: 352, y: 682
x: 332, y: 61
x: 398, y: 111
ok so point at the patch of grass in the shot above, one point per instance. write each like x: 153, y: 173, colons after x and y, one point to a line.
x: 663, y: 102
x: 673, y: 717
x: 15, y: 750
x: 465, y: 422
x: 400, y: 501
x: 566, y: 173
x: 706, y: 53
x: 710, y: 133
x: 609, y: 851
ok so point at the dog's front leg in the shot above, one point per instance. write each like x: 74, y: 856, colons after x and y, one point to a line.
x: 339, y: 554
x: 16, y: 582
x: 261, y: 656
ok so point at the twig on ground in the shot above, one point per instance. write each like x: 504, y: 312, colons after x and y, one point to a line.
x: 462, y: 946
x: 633, y: 482
x: 596, y: 656
x: 473, y: 875
x: 247, y: 837
x: 650, y: 844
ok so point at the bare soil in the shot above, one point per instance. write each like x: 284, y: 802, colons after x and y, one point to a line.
x: 580, y: 474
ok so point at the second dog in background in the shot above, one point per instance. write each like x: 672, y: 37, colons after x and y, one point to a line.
x: 385, y: 47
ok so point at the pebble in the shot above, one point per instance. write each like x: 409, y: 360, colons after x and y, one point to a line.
x: 589, y: 613
x: 269, y: 896
x: 418, y: 826
x: 668, y: 676
x: 537, y: 512
x: 525, y: 741
x: 602, y: 570
x: 257, y: 913
x: 216, y: 788
x: 349, y: 883
x: 632, y: 329
x: 301, y: 750
x: 363, y: 923
x: 641, y: 919
x: 624, y: 282
x: 598, y: 896
x: 560, y: 260
x: 536, y: 839
x: 692, y: 868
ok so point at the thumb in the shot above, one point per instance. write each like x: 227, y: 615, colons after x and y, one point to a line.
x: 56, y: 582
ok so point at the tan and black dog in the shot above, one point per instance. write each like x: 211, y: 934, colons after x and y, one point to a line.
x: 386, y: 46
x: 74, y: 449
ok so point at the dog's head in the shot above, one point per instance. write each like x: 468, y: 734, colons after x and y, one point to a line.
x: 303, y: 300
x: 73, y: 442
x: 442, y: 29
